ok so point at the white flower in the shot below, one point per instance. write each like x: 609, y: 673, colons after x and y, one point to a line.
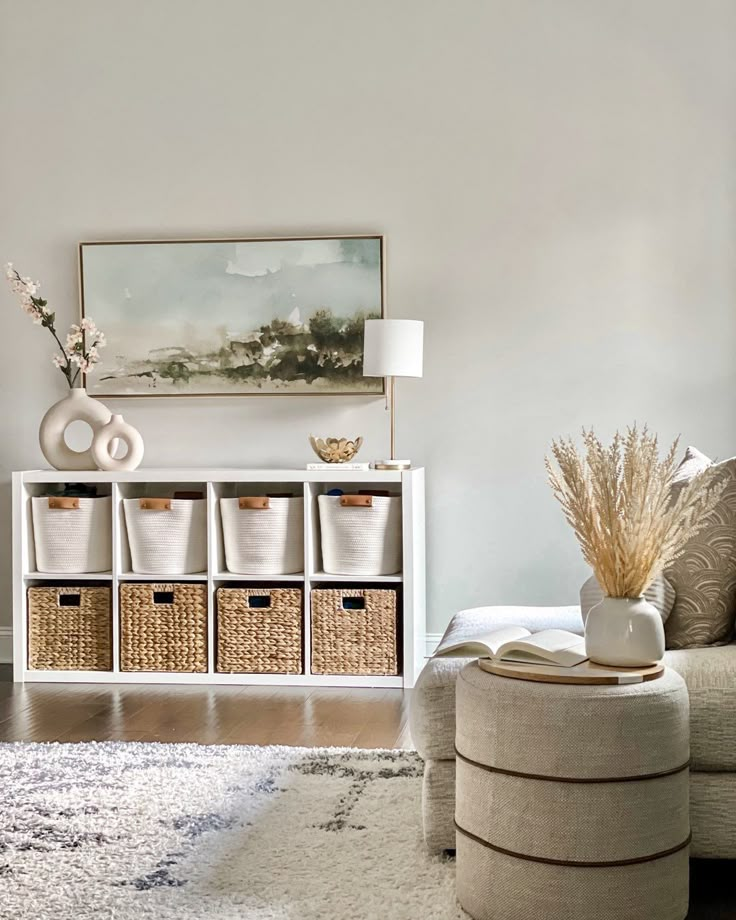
x: 88, y: 325
x: 74, y: 342
x: 80, y: 359
x: 58, y: 361
x: 9, y: 271
x: 36, y: 313
x: 84, y: 365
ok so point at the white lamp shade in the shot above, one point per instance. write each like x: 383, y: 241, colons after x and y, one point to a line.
x: 393, y: 348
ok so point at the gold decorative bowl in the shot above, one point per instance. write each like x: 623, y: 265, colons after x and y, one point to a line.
x: 335, y: 450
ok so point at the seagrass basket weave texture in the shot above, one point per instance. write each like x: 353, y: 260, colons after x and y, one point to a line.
x: 163, y: 627
x: 70, y: 629
x: 259, y: 630
x: 354, y: 631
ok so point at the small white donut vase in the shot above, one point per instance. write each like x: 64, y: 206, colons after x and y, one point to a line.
x: 76, y: 406
x: 105, y: 440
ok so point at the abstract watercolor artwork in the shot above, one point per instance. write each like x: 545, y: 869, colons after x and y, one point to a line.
x: 233, y: 317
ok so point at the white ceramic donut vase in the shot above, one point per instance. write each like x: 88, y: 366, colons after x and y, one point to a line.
x: 105, y: 439
x: 75, y: 407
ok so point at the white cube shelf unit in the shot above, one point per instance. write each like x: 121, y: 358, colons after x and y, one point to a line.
x: 215, y: 484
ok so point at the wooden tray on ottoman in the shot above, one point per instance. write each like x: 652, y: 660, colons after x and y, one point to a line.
x: 587, y: 672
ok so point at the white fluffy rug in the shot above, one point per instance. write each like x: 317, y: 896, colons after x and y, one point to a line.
x: 178, y: 832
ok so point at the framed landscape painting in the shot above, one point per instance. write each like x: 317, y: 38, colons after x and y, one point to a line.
x: 233, y: 317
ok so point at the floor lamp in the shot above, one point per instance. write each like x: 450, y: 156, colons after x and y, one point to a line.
x: 393, y: 348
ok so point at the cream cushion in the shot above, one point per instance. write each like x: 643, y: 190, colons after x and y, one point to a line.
x: 710, y: 676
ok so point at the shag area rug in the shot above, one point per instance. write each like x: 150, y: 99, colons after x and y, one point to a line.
x: 188, y: 832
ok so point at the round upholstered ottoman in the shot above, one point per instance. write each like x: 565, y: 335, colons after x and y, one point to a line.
x: 572, y: 801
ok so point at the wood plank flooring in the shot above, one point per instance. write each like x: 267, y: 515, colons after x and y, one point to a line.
x: 309, y: 717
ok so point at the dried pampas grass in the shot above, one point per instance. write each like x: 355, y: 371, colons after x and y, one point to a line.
x: 619, y: 502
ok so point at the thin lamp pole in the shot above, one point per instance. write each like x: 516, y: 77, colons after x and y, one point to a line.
x: 392, y: 397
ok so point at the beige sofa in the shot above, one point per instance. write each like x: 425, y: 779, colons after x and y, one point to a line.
x: 710, y: 675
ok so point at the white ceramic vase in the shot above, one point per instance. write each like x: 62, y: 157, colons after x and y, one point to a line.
x: 75, y: 406
x: 624, y: 631
x: 106, y: 439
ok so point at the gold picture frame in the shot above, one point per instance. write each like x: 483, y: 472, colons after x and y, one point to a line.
x: 170, y: 374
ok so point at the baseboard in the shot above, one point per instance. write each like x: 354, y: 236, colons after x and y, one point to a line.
x: 6, y: 644
x: 431, y: 641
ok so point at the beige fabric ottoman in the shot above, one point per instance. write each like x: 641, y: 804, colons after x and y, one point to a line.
x: 572, y: 801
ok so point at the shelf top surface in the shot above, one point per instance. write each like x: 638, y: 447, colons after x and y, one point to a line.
x: 219, y: 474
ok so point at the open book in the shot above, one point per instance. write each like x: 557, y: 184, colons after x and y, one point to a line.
x: 514, y: 643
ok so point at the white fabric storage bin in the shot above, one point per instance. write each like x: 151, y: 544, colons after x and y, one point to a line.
x: 167, y: 536
x: 263, y: 536
x: 72, y: 535
x: 361, y: 534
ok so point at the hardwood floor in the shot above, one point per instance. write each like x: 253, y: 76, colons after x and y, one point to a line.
x: 309, y: 717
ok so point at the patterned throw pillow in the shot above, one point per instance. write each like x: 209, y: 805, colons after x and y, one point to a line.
x: 704, y: 575
x: 660, y: 593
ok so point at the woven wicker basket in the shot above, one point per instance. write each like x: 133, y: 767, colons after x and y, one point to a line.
x: 163, y: 627
x: 354, y: 631
x: 259, y: 630
x: 69, y: 629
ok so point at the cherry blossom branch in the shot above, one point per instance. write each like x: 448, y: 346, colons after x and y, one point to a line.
x: 74, y: 352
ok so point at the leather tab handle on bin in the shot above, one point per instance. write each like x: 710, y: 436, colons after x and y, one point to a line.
x: 254, y: 503
x: 155, y: 504
x: 356, y: 501
x: 67, y: 504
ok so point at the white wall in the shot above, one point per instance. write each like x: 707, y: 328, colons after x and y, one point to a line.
x: 556, y: 179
